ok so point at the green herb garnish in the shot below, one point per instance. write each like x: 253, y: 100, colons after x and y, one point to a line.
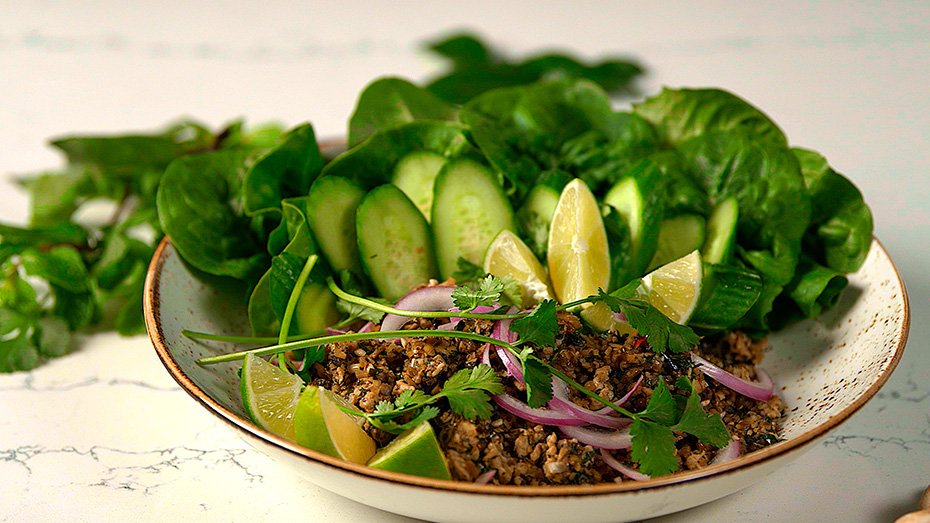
x: 467, y: 391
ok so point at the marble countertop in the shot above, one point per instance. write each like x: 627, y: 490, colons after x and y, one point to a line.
x: 103, y: 434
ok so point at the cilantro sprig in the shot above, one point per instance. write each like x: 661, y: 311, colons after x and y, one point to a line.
x: 468, y: 393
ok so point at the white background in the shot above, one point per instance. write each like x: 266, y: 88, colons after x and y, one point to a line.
x: 103, y: 434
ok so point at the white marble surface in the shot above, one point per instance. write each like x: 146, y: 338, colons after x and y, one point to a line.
x: 103, y: 434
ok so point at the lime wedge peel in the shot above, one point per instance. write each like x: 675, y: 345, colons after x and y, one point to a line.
x: 321, y: 425
x: 269, y: 396
x: 415, y: 452
x: 675, y: 288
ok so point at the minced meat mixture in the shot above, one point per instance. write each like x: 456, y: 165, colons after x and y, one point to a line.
x: 525, y: 453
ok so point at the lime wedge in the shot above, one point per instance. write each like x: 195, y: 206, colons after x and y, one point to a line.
x: 675, y: 288
x: 269, y: 395
x: 509, y: 256
x: 579, y: 260
x: 321, y: 425
x: 415, y: 452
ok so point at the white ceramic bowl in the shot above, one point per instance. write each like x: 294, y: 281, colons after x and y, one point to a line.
x: 825, y: 370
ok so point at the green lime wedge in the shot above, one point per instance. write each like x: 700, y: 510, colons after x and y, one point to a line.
x: 414, y: 452
x: 321, y: 425
x: 269, y: 395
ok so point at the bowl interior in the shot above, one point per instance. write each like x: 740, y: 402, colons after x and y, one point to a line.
x: 824, y: 369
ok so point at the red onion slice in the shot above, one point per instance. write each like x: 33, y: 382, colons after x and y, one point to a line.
x: 536, y: 415
x: 485, y: 478
x: 524, y: 411
x: 367, y: 327
x: 481, y: 309
x: 728, y: 453
x: 760, y: 391
x: 621, y: 468
x: 600, y: 439
x: 421, y: 300
x: 334, y: 332
x: 561, y: 401
x: 514, y: 369
x: 448, y: 326
x: 502, y: 330
x: 626, y: 397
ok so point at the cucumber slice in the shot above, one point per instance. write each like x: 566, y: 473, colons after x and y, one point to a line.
x: 677, y: 237
x: 535, y: 215
x: 469, y: 210
x: 394, y: 242
x: 728, y: 294
x: 639, y: 200
x: 721, y: 232
x: 331, y: 206
x: 316, y: 308
x: 415, y: 174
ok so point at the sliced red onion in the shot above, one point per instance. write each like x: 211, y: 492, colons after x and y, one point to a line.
x: 334, y: 332
x: 561, y: 401
x: 626, y: 397
x: 600, y: 439
x: 485, y: 478
x: 761, y: 391
x: 367, y: 327
x: 502, y: 330
x: 623, y: 469
x: 421, y: 300
x: 449, y: 326
x: 619, y: 316
x: 728, y: 453
x: 524, y: 411
x: 536, y: 415
x: 514, y: 369
x: 481, y: 309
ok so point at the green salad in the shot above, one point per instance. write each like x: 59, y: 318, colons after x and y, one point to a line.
x: 505, y: 192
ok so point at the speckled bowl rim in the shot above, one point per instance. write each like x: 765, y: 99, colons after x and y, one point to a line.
x: 152, y: 306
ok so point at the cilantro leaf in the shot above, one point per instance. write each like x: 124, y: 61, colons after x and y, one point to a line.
x: 512, y: 293
x: 708, y: 428
x: 467, y: 272
x: 661, y: 407
x: 471, y: 404
x: 539, y: 327
x: 538, y: 381
x: 410, y: 397
x: 354, y: 310
x: 653, y: 448
x: 480, y: 377
x: 487, y: 293
x: 424, y: 415
x: 662, y: 332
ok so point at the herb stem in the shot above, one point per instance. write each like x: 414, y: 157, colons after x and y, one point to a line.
x: 195, y: 335
x: 573, y: 304
x: 355, y: 336
x: 292, y: 304
x: 582, y: 389
x: 387, y: 309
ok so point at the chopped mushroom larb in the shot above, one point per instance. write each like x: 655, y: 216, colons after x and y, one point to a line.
x: 526, y: 453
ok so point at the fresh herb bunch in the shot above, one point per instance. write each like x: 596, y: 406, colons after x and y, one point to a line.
x: 63, y: 273
x: 468, y: 391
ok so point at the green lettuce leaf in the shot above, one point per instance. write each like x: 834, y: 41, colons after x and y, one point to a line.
x: 388, y: 102
x: 682, y: 114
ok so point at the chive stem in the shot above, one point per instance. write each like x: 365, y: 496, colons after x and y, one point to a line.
x: 355, y: 336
